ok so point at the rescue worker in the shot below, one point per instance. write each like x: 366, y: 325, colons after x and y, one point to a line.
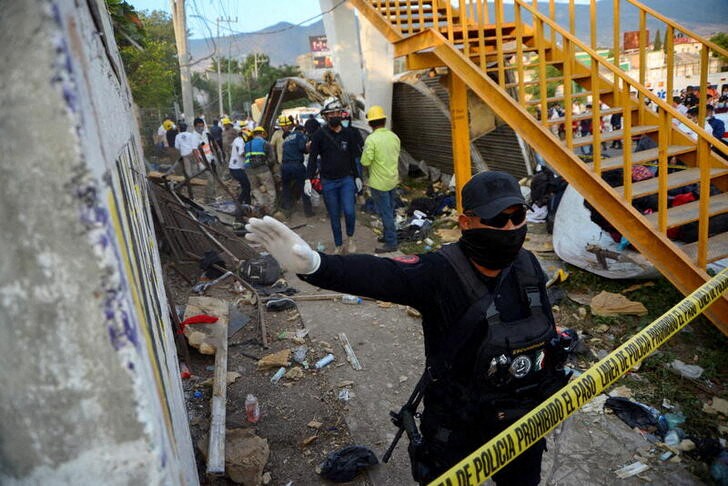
x: 293, y: 173
x: 491, y: 347
x: 338, y: 148
x: 205, y: 143
x: 381, y: 155
x: 259, y: 159
x: 237, y: 167
x: 276, y: 141
x: 228, y: 135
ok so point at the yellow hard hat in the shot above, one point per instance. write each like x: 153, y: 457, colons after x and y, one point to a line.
x: 284, y: 121
x: 226, y: 121
x: 376, y: 112
x: 258, y: 130
x: 167, y: 124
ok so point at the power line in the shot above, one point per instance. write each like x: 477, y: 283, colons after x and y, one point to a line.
x: 284, y: 29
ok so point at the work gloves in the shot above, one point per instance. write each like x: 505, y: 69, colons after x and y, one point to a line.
x: 307, y: 187
x: 359, y: 185
x: 291, y: 251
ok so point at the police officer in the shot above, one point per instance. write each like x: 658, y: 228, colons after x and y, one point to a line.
x: 490, y: 340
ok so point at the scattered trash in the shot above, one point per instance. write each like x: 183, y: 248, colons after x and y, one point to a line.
x: 350, y: 299
x: 236, y: 319
x: 320, y: 247
x: 184, y: 371
x: 294, y: 374
x: 686, y: 445
x: 252, y: 409
x: 210, y: 368
x: 666, y: 404
x: 201, y: 287
x: 299, y: 353
x: 324, y: 361
x: 686, y: 370
x: 350, y: 356
x: 719, y: 468
x: 314, y: 424
x: 631, y: 470
x: 666, y: 455
x: 246, y: 455
x: 634, y: 287
x: 345, y: 383
x: 308, y: 440
x: 672, y: 438
x: 621, y: 391
x: 596, y: 405
x: 345, y: 464
x: 636, y: 414
x: 299, y: 334
x: 277, y: 305
x: 344, y: 395
x: 610, y: 304
x: 674, y: 419
x: 197, y: 394
x: 267, y: 478
x: 403, y: 378
x: 448, y: 235
x: 413, y: 312
x: 716, y: 405
x: 384, y: 305
x: 275, y: 360
x: 278, y: 375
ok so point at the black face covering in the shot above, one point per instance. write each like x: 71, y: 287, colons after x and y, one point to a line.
x: 492, y: 248
x: 334, y: 121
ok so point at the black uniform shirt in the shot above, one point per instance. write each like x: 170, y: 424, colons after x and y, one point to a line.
x: 426, y: 282
x: 337, y: 150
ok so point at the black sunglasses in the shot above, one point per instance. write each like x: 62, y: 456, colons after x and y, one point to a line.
x: 501, y: 219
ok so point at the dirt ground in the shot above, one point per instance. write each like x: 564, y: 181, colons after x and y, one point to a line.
x: 388, y: 342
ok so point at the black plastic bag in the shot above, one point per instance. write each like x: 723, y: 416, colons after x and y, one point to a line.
x: 636, y: 414
x: 344, y: 465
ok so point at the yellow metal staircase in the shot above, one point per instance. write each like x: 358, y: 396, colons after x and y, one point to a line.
x: 511, y: 65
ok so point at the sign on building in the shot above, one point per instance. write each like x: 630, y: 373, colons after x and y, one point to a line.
x: 320, y: 52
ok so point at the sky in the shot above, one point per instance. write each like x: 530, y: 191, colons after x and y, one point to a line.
x: 252, y: 15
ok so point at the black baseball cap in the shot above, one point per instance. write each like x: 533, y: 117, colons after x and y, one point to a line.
x: 489, y: 193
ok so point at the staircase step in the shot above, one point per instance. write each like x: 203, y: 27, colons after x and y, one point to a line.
x: 717, y: 248
x: 555, y: 80
x: 507, y: 28
x: 687, y: 213
x: 676, y: 179
x: 555, y: 99
x: 615, y: 135
x: 402, y: 3
x: 585, y: 115
x: 642, y: 157
x: 525, y: 66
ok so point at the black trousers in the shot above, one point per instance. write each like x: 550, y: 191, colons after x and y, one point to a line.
x: 242, y: 178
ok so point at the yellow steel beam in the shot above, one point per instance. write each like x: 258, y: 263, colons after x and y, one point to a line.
x: 460, y: 129
x: 414, y: 43
x: 423, y: 60
x: 382, y: 25
x: 675, y: 265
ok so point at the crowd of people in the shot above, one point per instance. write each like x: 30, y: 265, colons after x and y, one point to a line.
x: 297, y: 162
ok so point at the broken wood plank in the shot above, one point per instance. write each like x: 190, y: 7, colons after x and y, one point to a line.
x: 159, y: 177
x: 215, y: 339
x: 350, y: 356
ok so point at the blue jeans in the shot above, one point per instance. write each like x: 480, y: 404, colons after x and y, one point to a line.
x: 242, y: 178
x: 339, y: 195
x: 293, y: 175
x: 384, y: 202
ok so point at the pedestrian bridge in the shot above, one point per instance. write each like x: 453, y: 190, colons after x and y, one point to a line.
x: 511, y: 54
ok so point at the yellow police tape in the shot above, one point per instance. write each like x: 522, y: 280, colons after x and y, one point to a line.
x: 506, y: 446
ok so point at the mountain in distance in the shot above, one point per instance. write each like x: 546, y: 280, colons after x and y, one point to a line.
x: 283, y: 42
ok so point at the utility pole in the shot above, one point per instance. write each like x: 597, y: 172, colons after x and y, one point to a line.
x: 219, y: 76
x: 180, y: 33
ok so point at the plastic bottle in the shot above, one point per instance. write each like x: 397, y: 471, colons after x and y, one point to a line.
x: 351, y: 299
x: 324, y: 361
x: 279, y: 374
x: 252, y: 411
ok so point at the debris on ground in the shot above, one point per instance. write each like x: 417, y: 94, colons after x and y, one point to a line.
x: 631, y: 470
x: 345, y: 464
x: 611, y: 304
x: 275, y: 360
x: 246, y: 455
x: 716, y: 405
x: 636, y: 414
x: 686, y: 370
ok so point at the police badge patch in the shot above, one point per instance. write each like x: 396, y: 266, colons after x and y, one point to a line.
x: 520, y: 366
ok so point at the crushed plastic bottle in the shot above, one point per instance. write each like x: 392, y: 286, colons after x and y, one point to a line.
x: 351, y: 299
x: 324, y: 361
x: 278, y: 375
x: 252, y: 410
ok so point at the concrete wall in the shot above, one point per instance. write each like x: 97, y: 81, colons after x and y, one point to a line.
x: 90, y: 390
x: 362, y: 57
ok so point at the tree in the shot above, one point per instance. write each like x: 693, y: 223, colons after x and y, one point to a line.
x: 657, y: 44
x: 147, y: 47
x: 722, y: 40
x: 665, y: 44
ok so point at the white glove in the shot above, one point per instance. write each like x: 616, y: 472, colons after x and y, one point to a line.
x: 307, y: 187
x: 359, y: 184
x: 286, y: 246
